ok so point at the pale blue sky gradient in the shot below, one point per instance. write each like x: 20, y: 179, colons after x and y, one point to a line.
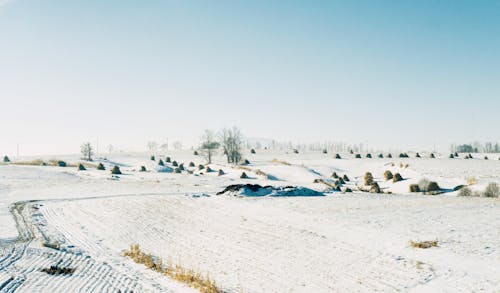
x: 400, y: 74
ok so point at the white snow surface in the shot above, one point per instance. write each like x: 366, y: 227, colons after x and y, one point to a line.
x: 341, y: 242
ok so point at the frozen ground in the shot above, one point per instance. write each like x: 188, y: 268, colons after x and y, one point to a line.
x: 353, y: 242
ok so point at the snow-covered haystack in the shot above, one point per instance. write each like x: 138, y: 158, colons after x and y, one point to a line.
x: 258, y: 190
x: 164, y: 169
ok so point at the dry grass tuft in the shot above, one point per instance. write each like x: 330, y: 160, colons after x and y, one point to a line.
x: 423, y: 244
x: 177, y: 272
x: 471, y: 181
x: 37, y: 162
x: 281, y: 162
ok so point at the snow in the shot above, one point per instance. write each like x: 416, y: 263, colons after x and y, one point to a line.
x: 352, y: 242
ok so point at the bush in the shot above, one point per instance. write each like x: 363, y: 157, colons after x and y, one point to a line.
x: 252, y: 151
x: 221, y: 172
x: 368, y: 156
x: 177, y: 170
x: 325, y: 151
x: 346, y: 179
x: 347, y: 189
x: 341, y: 180
x: 397, y: 177
x: 175, y: 164
x: 432, y: 156
x: 195, y: 153
x: 417, y: 155
x: 244, y: 175
x: 452, y: 156
x: 81, y: 167
x: 403, y: 155
x: 153, y: 158
x: 455, y: 154
x: 465, y: 191
x: 101, y: 167
x: 295, y: 151
x: 433, y: 186
x: 414, y: 188
x: 61, y: 163
x: 389, y: 156
x: 201, y: 167
x: 246, y: 162
x: 143, y: 169
x: 358, y: 156
x: 424, y: 244
x: 160, y: 163
x: 381, y: 156
x: 374, y: 188
x: 116, y: 170
x: 337, y: 156
x: 351, y: 152
x: 334, y: 175
x: 492, y: 190
x: 6, y: 159
x: 191, y: 164
x: 168, y: 160
x: 181, y: 167
x: 486, y: 157
x: 208, y: 169
x: 368, y: 179
x: 388, y: 175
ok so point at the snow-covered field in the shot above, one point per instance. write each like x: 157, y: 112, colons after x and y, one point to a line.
x: 340, y: 242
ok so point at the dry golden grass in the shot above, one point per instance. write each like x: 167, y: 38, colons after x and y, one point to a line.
x: 424, y: 244
x: 245, y: 168
x: 471, y: 181
x: 36, y: 162
x: 177, y: 272
x: 281, y: 162
x: 261, y: 173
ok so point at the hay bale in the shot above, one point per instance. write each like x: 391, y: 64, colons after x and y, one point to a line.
x: 358, y: 156
x: 101, y: 167
x: 368, y: 179
x: 337, y: 156
x: 153, y: 158
x: 201, y: 167
x: 334, y: 175
x: 160, y: 163
x: 374, y: 188
x: 6, y: 159
x: 397, y: 177
x: 81, y: 167
x: 221, y: 172
x: 252, y: 151
x: 244, y: 175
x: 346, y: 179
x: 191, y: 164
x: 368, y: 156
x: 388, y: 175
x: 175, y: 164
x: 168, y: 160
x: 116, y: 170
x: 414, y: 188
x: 143, y: 169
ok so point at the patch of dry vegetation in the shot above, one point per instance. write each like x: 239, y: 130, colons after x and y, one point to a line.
x: 36, y: 162
x: 424, y: 244
x: 281, y: 162
x: 177, y: 272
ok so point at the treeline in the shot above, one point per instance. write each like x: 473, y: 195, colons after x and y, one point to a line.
x: 476, y: 147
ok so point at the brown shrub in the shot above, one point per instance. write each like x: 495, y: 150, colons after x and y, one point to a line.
x: 388, y: 175
x: 368, y: 179
x: 397, y: 177
x: 424, y: 244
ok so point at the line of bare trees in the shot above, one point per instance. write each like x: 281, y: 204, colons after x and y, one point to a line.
x: 230, y: 140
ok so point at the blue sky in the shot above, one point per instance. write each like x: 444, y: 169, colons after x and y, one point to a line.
x: 392, y: 74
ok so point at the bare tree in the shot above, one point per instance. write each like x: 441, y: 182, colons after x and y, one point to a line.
x: 231, y: 141
x: 87, y: 151
x: 209, y: 145
x: 152, y: 146
x: 177, y: 145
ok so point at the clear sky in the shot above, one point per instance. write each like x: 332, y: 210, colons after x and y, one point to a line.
x: 400, y: 74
